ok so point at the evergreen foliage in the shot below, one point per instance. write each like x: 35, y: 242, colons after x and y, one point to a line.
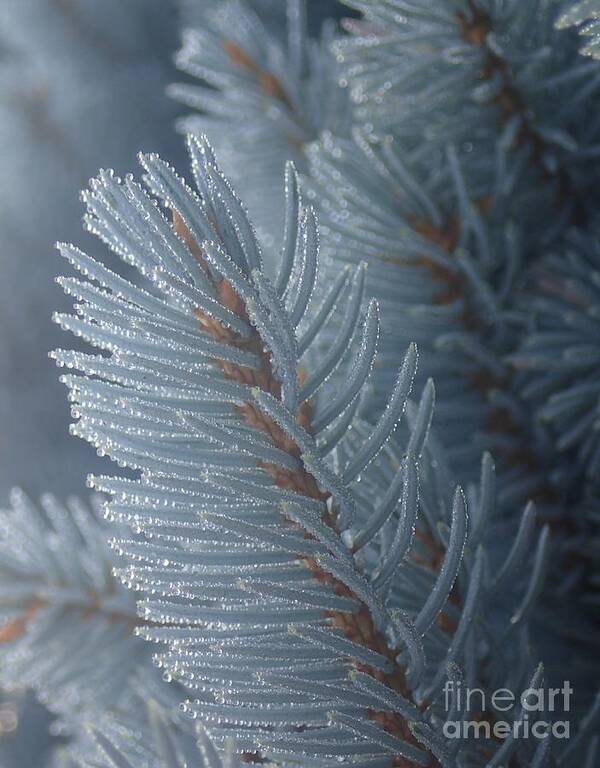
x: 470, y: 155
x: 461, y: 197
x: 283, y: 83
x: 66, y: 621
x: 288, y: 560
x: 312, y: 563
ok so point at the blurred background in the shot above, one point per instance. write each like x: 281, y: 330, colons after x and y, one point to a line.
x: 82, y: 86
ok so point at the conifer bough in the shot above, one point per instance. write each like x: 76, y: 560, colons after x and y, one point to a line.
x: 308, y: 599
x: 311, y: 579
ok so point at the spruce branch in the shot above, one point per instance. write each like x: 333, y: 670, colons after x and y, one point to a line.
x: 67, y: 624
x: 284, y: 84
x: 483, y: 79
x: 455, y: 74
x: 302, y: 557
x: 272, y: 405
x: 306, y: 604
